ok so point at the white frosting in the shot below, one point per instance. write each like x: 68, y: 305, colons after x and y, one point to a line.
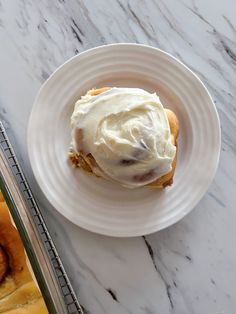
x: 127, y: 132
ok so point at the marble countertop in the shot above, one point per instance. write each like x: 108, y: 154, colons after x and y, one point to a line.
x: 188, y: 268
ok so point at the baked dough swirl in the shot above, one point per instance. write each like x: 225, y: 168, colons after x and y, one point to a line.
x: 19, y: 294
x: 125, y: 135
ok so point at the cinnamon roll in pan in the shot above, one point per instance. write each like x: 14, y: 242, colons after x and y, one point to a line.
x: 19, y: 293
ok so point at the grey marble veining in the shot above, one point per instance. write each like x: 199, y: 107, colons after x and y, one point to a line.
x: 188, y: 268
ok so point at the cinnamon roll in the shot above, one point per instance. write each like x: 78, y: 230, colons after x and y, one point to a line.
x: 125, y: 135
x: 19, y: 294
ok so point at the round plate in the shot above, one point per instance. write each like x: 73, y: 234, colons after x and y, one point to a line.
x: 105, y: 207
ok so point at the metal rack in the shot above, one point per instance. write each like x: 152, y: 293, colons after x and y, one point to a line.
x: 72, y: 304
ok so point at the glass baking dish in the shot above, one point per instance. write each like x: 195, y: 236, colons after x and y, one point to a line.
x: 45, y: 262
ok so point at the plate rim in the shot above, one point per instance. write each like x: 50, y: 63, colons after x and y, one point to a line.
x: 171, y: 221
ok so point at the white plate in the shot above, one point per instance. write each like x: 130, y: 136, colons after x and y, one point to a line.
x: 102, y: 206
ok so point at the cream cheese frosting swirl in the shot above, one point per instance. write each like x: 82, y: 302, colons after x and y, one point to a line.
x: 127, y: 132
